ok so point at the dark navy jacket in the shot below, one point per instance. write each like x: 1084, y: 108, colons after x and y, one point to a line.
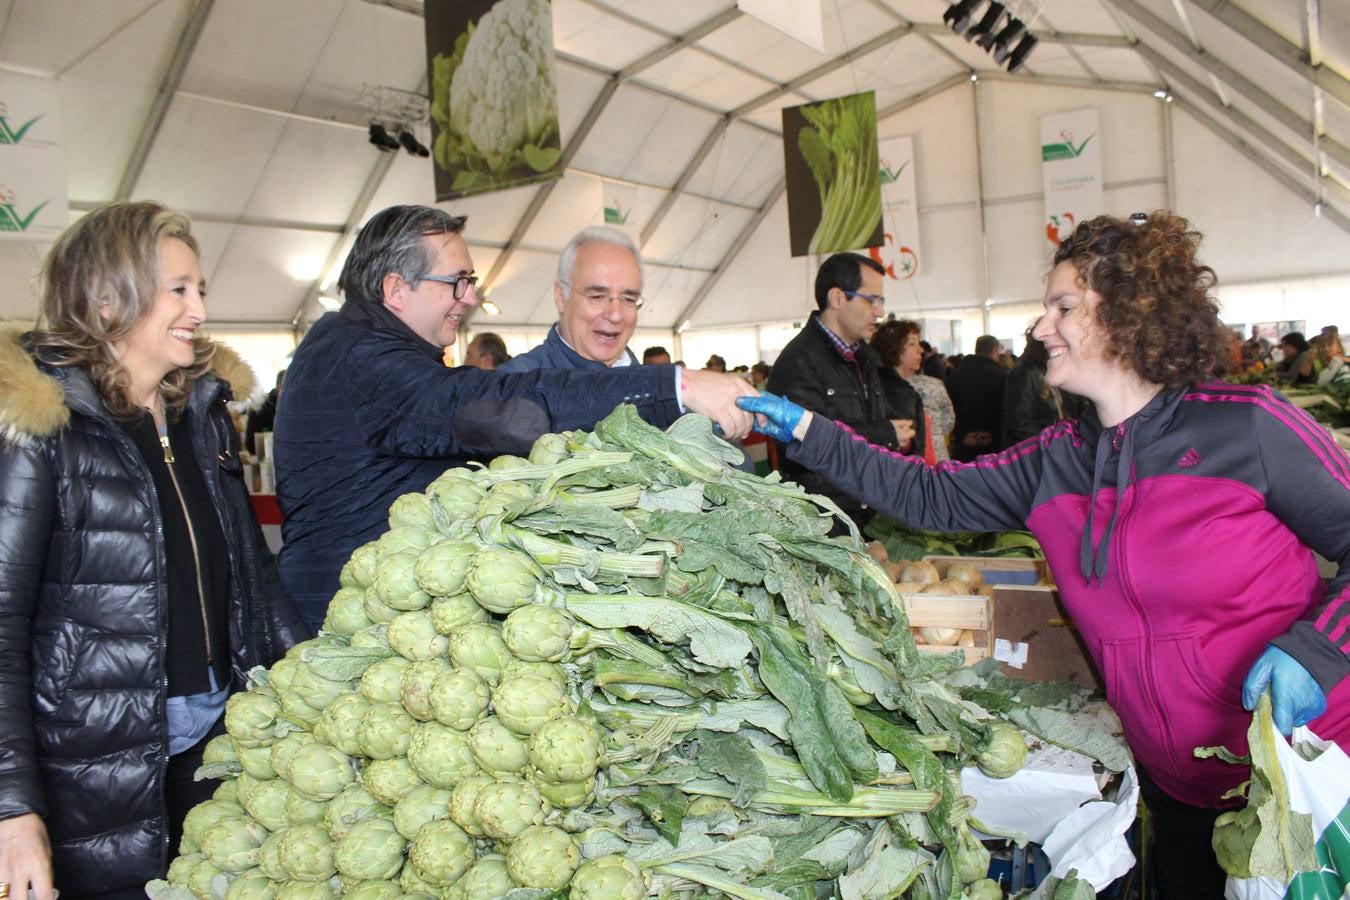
x: 369, y: 413
x: 554, y: 353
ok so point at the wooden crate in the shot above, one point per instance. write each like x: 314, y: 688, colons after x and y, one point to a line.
x: 1030, y: 632
x: 952, y: 611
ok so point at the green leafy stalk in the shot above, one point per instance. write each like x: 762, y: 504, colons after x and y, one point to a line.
x: 830, y: 743
x: 553, y: 554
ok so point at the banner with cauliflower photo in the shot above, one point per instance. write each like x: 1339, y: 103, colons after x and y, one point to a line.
x: 494, y: 98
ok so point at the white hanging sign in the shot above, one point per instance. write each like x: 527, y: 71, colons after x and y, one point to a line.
x: 900, y: 253
x: 798, y: 19
x: 33, y: 201
x: 1071, y: 168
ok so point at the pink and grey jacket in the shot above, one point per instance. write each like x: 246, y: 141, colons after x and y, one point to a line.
x: 1182, y: 544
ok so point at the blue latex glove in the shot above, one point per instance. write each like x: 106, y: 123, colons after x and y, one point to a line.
x: 1295, y: 696
x: 782, y: 415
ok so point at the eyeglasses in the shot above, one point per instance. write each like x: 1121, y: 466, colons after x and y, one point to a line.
x: 875, y: 299
x: 598, y: 297
x: 459, y: 283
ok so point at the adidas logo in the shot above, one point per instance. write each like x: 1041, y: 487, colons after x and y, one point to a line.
x: 1189, y: 458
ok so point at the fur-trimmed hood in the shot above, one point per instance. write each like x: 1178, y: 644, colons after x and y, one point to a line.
x: 33, y: 403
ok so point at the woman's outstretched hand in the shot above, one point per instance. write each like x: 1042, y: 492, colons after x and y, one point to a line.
x: 777, y: 417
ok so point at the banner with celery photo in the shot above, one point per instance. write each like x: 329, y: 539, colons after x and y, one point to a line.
x: 833, y: 176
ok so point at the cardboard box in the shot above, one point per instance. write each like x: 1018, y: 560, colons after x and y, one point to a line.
x: 1030, y: 632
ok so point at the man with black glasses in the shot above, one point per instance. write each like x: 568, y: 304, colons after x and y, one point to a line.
x: 370, y: 411
x: 598, y: 292
x: 830, y: 369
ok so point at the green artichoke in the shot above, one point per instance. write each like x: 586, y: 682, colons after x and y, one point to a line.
x: 549, y: 449
x: 397, y: 540
x: 496, y: 749
x: 300, y: 809
x: 373, y: 890
x: 412, y: 511
x: 486, y: 879
x: 448, y: 613
x: 232, y: 843
x: 377, y: 611
x: 384, y: 731
x: 414, y: 637
x: 502, y: 579
x: 372, y: 849
x: 441, y: 852
x: 479, y: 648
x: 251, y: 718
x: 315, y: 690
x: 565, y: 749
x: 284, y: 749
x: 307, y: 890
x: 415, y: 687
x: 543, y: 857
x: 199, y: 879
x: 354, y: 804
x: 361, y: 566
x: 347, y: 611
x: 269, y: 857
x: 459, y: 698
x: 442, y: 568
x: 524, y: 703
x: 440, y: 755
x: 204, y: 815
x: 611, y: 877
x: 220, y: 749
x: 182, y: 867
x: 381, y: 683
x: 337, y: 726
x: 462, y: 801
x: 251, y: 885
x: 389, y: 780
x: 267, y: 804
x: 505, y: 808
x: 396, y: 581
x: 552, y: 672
x: 565, y: 794
x: 454, y: 496
x: 424, y: 803
x: 306, y: 853
x: 538, y: 633
x: 320, y: 772
x: 1005, y: 754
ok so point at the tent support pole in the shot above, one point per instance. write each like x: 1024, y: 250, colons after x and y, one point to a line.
x: 986, y: 281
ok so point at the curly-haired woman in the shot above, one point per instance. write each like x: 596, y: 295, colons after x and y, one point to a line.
x: 1179, y: 516
x: 135, y: 586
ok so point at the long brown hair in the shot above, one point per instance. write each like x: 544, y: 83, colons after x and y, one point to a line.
x: 98, y: 281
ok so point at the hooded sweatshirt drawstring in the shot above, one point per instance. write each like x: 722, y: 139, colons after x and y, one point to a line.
x: 1092, y: 558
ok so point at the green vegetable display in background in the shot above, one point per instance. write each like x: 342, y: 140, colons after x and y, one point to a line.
x: 619, y: 667
x: 494, y: 100
x: 832, y: 145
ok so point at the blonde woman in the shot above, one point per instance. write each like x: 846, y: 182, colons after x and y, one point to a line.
x: 135, y: 586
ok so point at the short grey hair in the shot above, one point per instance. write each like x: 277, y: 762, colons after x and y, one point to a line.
x: 393, y: 241
x: 596, y: 234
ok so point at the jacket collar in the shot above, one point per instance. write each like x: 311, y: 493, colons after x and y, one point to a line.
x: 36, y: 398
x: 572, y: 359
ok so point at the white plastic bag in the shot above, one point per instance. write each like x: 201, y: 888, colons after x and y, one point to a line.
x: 1320, y: 788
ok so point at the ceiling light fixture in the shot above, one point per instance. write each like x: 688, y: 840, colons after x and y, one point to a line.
x: 1002, y: 42
x: 1019, y: 55
x: 382, y: 139
x: 986, y: 23
x: 490, y: 308
x: 958, y: 15
x: 412, y: 144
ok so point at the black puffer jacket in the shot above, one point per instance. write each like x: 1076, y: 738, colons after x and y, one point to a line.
x: 811, y: 373
x: 83, y: 615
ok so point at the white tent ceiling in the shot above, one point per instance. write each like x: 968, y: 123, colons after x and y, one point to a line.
x: 248, y: 114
